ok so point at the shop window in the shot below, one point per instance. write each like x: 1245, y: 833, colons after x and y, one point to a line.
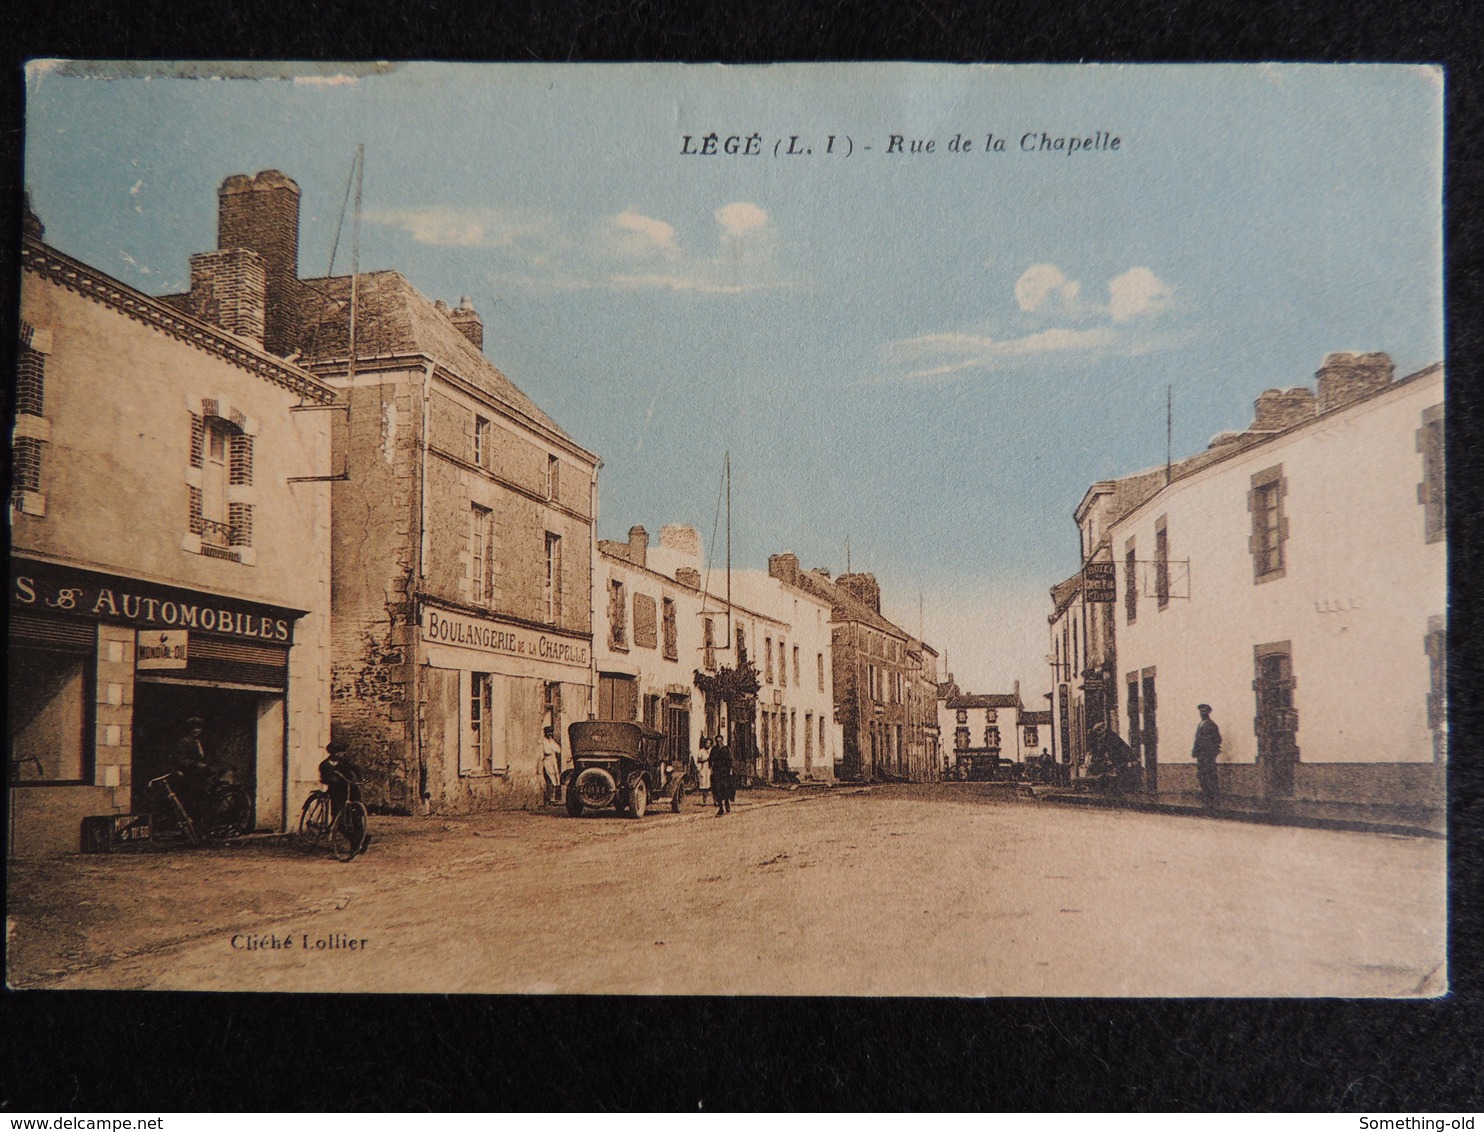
x: 474, y: 756
x: 618, y: 619
x: 50, y: 715
x: 668, y: 638
x: 1269, y: 525
x: 1431, y: 492
x: 553, y: 587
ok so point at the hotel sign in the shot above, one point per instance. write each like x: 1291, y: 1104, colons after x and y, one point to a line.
x: 440, y: 626
x: 1099, y: 583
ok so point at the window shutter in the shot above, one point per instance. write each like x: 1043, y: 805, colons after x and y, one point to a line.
x: 197, y: 519
x: 198, y: 440
x: 239, y: 517
x: 240, y: 471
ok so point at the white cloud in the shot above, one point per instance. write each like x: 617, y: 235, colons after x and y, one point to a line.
x: 1135, y: 292
x: 1042, y: 284
x: 624, y: 251
x: 445, y: 227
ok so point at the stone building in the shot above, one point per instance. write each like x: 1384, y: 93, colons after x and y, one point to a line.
x: 885, y: 680
x: 170, y: 554
x: 983, y: 730
x: 462, y: 517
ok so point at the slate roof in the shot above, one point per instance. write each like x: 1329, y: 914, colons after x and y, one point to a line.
x: 393, y: 317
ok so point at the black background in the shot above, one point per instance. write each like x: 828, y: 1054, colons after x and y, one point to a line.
x: 79, y: 1052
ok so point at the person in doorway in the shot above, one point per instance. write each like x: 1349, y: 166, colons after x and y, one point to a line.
x: 193, y: 772
x: 1207, y: 746
x: 551, y: 764
x: 339, y: 776
x: 703, y: 770
x: 721, y: 776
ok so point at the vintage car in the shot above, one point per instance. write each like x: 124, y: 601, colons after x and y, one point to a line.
x: 618, y: 765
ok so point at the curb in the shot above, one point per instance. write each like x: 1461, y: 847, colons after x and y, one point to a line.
x: 1254, y: 817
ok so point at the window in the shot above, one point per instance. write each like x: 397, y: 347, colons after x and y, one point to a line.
x: 475, y: 757
x: 782, y: 664
x: 1130, y: 581
x: 553, y: 478
x: 646, y: 629
x: 481, y: 441
x: 767, y: 660
x: 1161, y: 563
x: 618, y: 628
x: 796, y: 665
x: 553, y: 592
x: 822, y: 750
x: 218, y: 517
x: 1269, y: 527
x: 667, y: 629
x: 992, y: 738
x: 479, y: 536
x: 1432, y: 490
x: 552, y: 707
x: 819, y: 665
x: 961, y: 739
x: 618, y: 697
x: 30, y: 429
x: 51, y: 696
x: 808, y: 740
x: 961, y: 715
x: 708, y: 644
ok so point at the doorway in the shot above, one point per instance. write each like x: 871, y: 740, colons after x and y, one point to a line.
x: 1276, y: 721
x: 1149, y: 732
x: 229, y: 732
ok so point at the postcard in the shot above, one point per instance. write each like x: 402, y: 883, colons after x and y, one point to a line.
x: 837, y: 529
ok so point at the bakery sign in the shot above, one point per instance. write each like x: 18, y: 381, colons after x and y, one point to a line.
x: 448, y: 628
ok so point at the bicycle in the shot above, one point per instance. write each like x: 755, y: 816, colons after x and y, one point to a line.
x: 174, y: 811
x: 347, y: 832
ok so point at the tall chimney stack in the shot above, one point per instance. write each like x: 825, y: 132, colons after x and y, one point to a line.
x: 261, y: 214
x: 469, y: 324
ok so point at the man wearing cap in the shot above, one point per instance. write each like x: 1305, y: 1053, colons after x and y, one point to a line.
x: 1207, y: 747
x: 338, y: 773
x: 193, y: 771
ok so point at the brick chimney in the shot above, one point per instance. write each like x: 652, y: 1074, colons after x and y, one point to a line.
x: 1277, y: 409
x: 682, y: 538
x: 229, y: 289
x: 1345, y: 378
x: 864, y: 587
x: 688, y: 576
x: 261, y: 214
x: 469, y: 324
x: 638, y: 546
x: 784, y: 567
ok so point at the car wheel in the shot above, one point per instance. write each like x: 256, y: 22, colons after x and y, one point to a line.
x: 638, y: 799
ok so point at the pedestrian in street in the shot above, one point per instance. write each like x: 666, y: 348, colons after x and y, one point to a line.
x: 551, y: 764
x: 721, y: 776
x: 1207, y: 746
x: 703, y: 770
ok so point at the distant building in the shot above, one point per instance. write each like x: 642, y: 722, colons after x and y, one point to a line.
x: 983, y: 730
x: 885, y: 680
x: 170, y: 554
x: 664, y: 639
x: 463, y: 518
x: 1293, y: 576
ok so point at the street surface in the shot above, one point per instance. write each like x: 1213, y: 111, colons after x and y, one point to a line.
x: 899, y: 890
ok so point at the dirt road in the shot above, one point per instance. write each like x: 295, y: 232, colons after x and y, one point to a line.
x: 890, y: 890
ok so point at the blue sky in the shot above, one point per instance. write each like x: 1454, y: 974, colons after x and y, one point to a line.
x: 931, y: 355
